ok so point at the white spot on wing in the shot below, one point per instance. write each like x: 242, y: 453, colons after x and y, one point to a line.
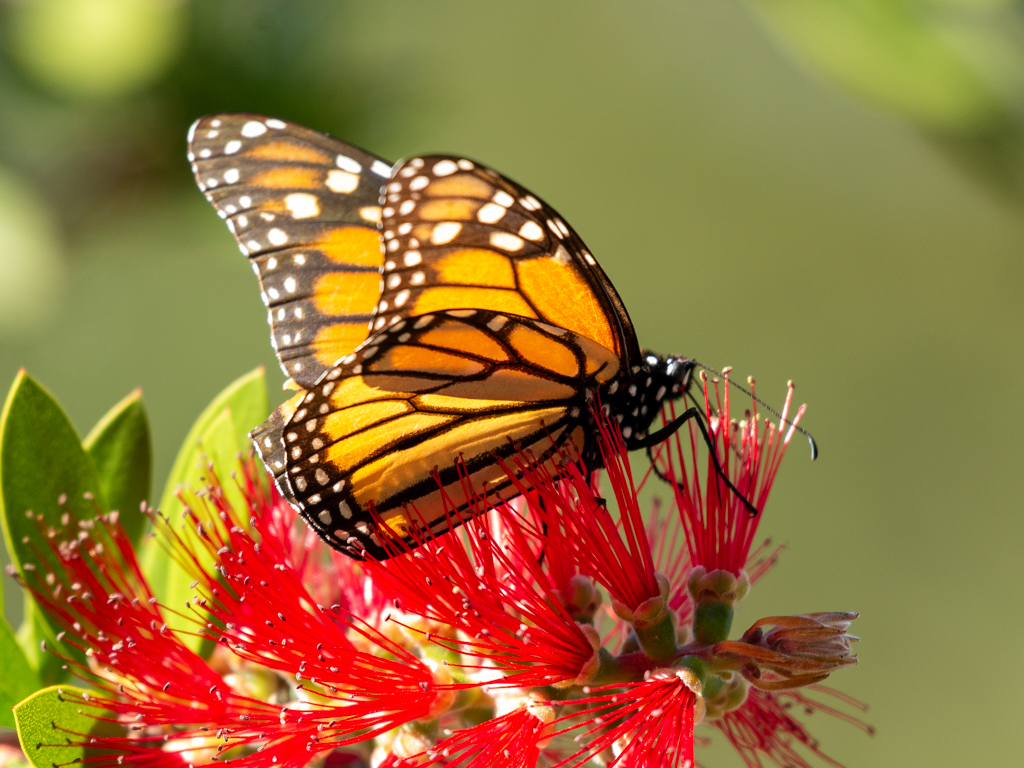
x: 506, y: 241
x: 531, y: 231
x: 253, y: 128
x: 381, y: 169
x: 346, y: 163
x: 503, y: 198
x: 232, y: 146
x: 277, y: 237
x: 445, y: 168
x: 446, y: 231
x: 490, y: 213
x: 342, y: 182
x: 370, y: 213
x: 302, y: 206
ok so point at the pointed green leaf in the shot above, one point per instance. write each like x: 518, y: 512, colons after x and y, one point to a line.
x: 218, y: 436
x: 119, y: 445
x: 17, y: 678
x: 33, y: 631
x: 54, y: 723
x: 42, y: 462
x: 246, y: 398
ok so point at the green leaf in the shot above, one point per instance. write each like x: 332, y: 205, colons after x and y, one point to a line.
x: 219, y: 435
x: 52, y: 726
x: 42, y: 461
x: 119, y: 445
x: 33, y: 631
x: 246, y: 398
x: 900, y: 55
x: 17, y: 678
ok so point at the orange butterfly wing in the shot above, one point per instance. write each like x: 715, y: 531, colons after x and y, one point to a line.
x: 304, y: 208
x: 429, y: 393
x: 460, y: 235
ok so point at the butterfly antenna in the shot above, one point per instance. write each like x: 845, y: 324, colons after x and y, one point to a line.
x: 763, y: 404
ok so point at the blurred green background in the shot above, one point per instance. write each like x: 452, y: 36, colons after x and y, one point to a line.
x: 825, y: 190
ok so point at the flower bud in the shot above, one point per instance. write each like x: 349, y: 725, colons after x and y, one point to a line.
x: 731, y: 694
x: 589, y: 669
x: 714, y: 595
x: 717, y: 586
x: 580, y: 597
x: 800, y: 650
x: 650, y: 611
x: 815, y: 635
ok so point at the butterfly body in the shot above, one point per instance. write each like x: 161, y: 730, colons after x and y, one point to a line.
x: 435, y: 316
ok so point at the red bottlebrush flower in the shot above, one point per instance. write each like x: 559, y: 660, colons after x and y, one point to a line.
x: 719, y: 527
x: 459, y: 652
x: 764, y: 728
x: 646, y: 725
x: 466, y: 581
x: 614, y: 551
x: 172, y: 701
x: 514, y: 739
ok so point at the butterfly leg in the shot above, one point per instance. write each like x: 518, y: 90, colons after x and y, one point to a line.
x: 671, y: 428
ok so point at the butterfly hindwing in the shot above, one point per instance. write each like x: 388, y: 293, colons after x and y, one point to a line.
x: 304, y: 208
x: 460, y: 235
x: 430, y: 393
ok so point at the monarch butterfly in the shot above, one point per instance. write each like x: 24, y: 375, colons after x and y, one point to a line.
x: 432, y: 313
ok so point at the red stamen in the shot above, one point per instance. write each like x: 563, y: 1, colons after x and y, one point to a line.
x: 763, y: 727
x: 469, y: 580
x: 719, y: 528
x: 649, y: 724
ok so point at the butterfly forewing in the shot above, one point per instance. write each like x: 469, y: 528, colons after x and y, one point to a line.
x: 304, y: 209
x: 442, y: 392
x: 459, y: 235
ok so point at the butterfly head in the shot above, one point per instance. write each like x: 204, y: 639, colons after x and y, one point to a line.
x: 635, y: 400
